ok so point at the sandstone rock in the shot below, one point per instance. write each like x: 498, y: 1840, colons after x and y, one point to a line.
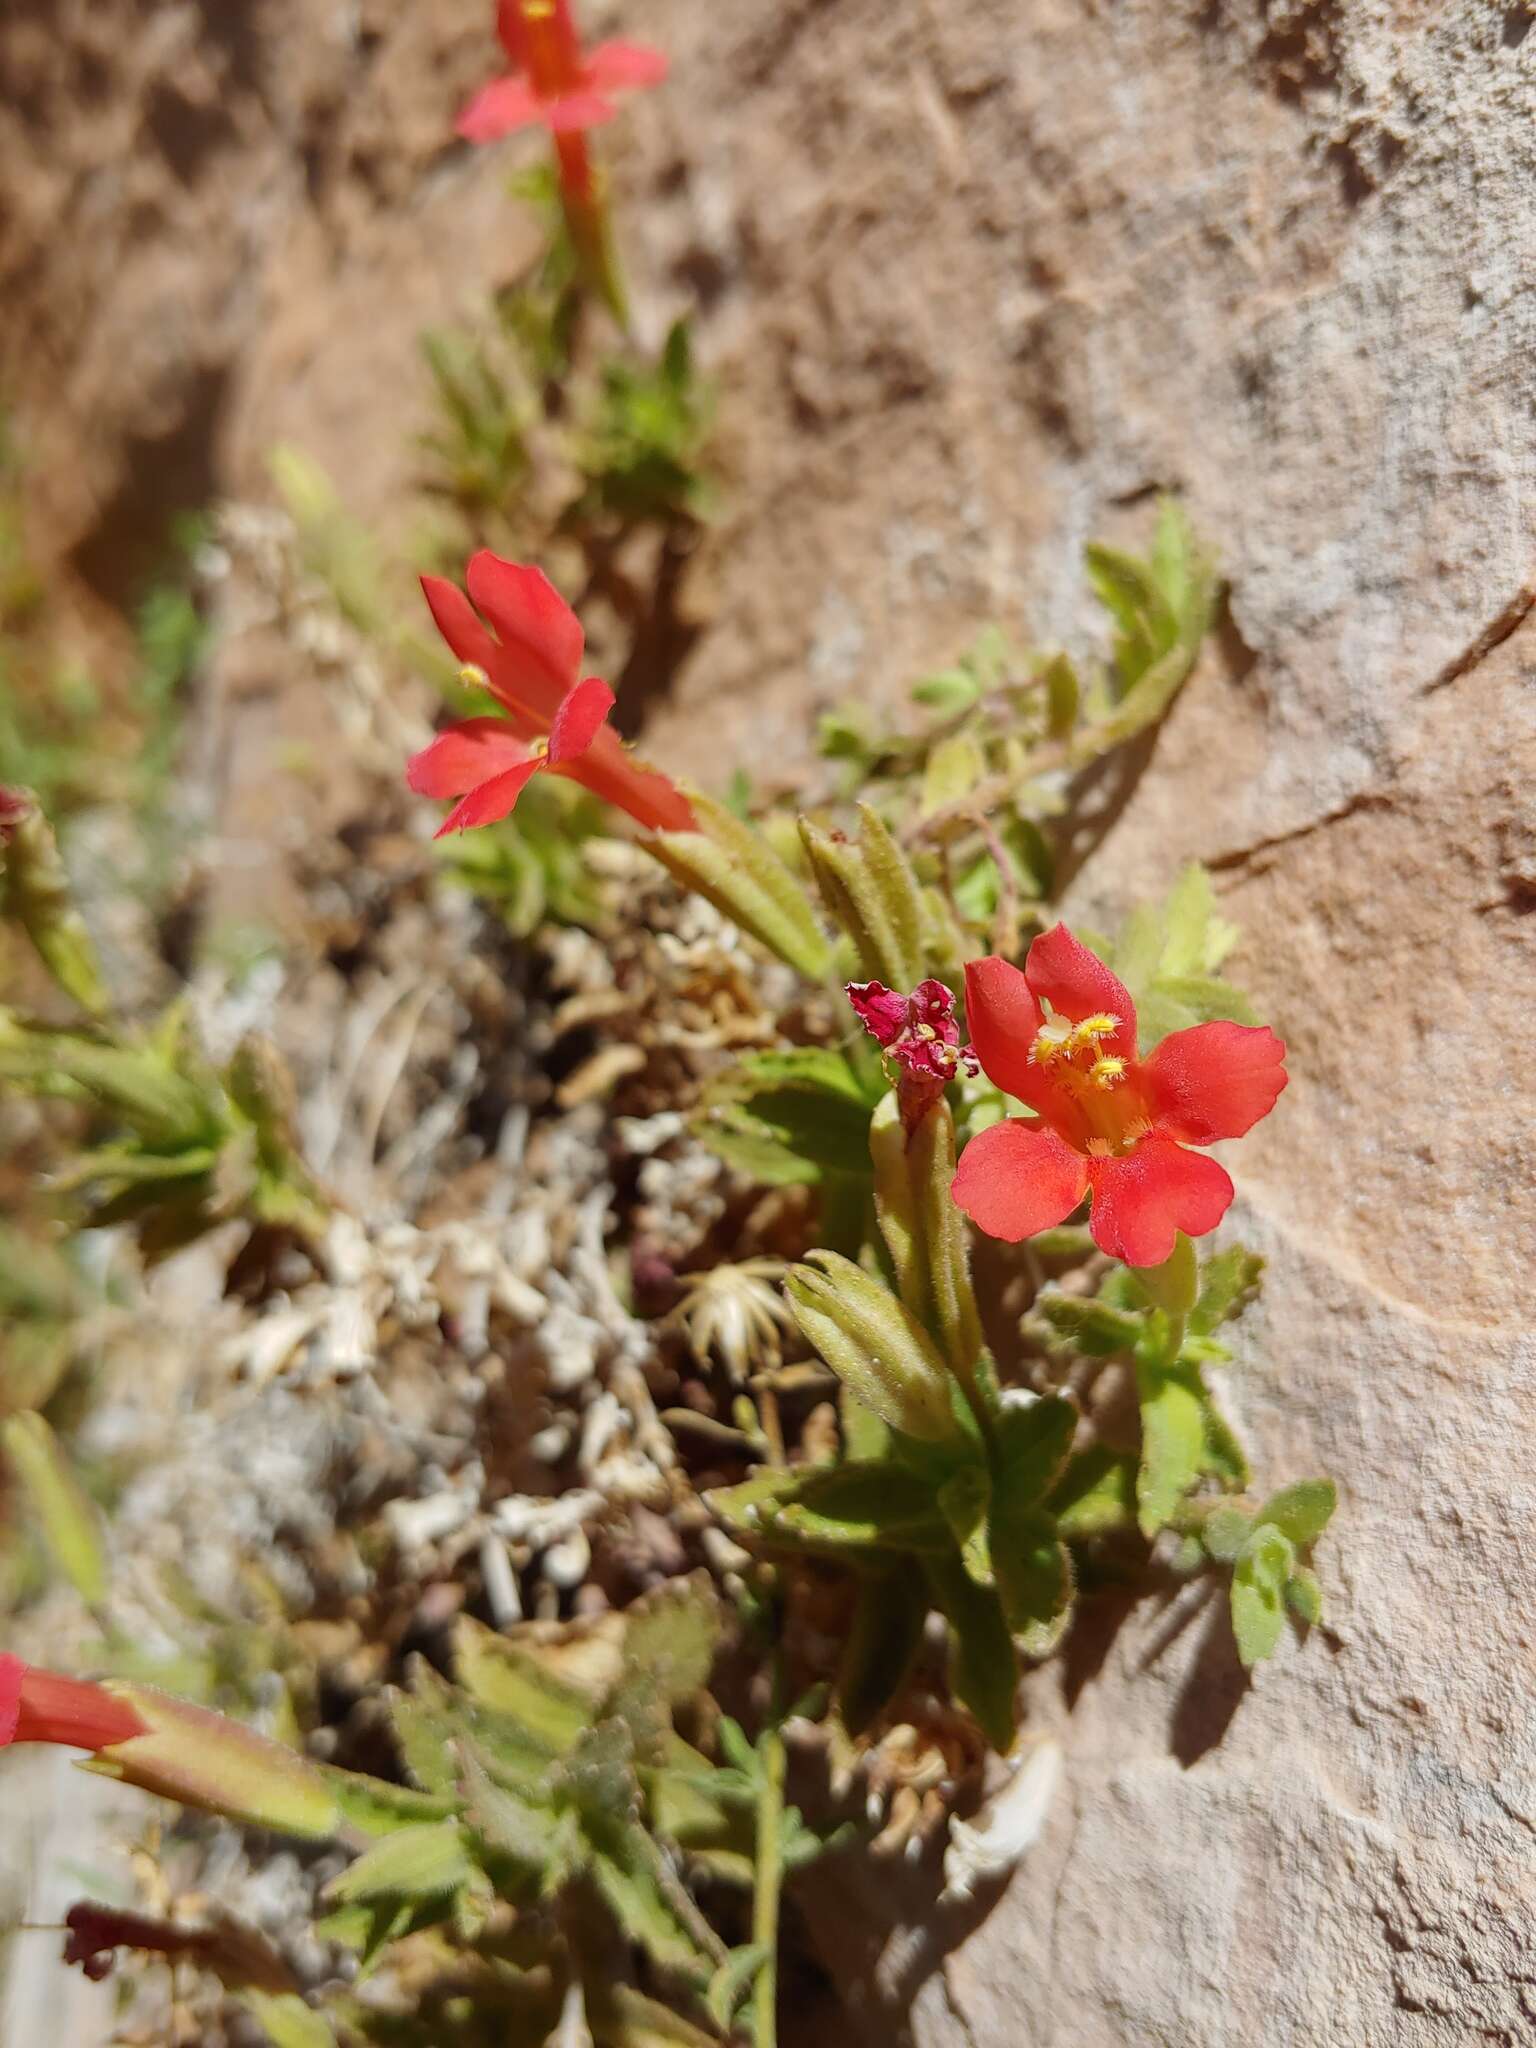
x: 976, y: 280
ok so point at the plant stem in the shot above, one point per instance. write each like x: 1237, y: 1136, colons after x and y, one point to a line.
x: 768, y: 1880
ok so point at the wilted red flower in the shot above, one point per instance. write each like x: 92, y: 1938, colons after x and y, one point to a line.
x: 1110, y: 1123
x: 555, y: 720
x: 552, y: 80
x: 919, y: 1032
x: 39, y: 1706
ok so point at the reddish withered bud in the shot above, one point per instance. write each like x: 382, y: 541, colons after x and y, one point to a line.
x: 920, y: 1034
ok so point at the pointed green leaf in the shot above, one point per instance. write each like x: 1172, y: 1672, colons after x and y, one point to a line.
x: 882, y: 1643
x: 68, y: 1519
x: 412, y: 1863
x: 984, y: 1671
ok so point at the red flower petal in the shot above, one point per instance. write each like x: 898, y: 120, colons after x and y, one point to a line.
x: 1142, y: 1201
x: 652, y: 800
x: 578, y: 720
x: 881, y: 1011
x: 1017, y: 1178
x: 1002, y: 1017
x: 12, y: 1671
x: 1061, y: 971
x: 612, y: 67
x: 454, y: 617
x: 39, y: 1706
x: 1214, y: 1080
x: 463, y: 756
x: 574, y: 112
x: 541, y: 637
x: 493, y: 800
x: 500, y: 108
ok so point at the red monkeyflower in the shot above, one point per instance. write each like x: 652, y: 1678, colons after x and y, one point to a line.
x: 39, y: 1706
x: 554, y: 720
x: 1110, y: 1124
x: 920, y: 1034
x: 552, y: 80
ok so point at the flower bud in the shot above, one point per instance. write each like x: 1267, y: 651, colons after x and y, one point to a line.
x: 874, y: 1344
x: 198, y: 1758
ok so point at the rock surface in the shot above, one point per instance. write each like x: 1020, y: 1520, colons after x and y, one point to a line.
x: 975, y: 281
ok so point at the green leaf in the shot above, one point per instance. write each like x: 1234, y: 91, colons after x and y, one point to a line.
x: 882, y: 1643
x: 954, y: 768
x: 733, y: 867
x: 854, y: 1506
x: 68, y: 1519
x: 671, y: 1636
x: 874, y: 1344
x: 963, y: 1500
x: 510, y: 1677
x: 1031, y: 1443
x: 1062, y: 697
x: 984, y: 1668
x: 1033, y: 1570
x: 622, y: 2018
x: 1259, y: 1578
x: 424, y: 1737
x: 632, y: 1876
x: 376, y: 1807
x: 508, y: 1823
x: 413, y: 1863
x: 789, y: 1117
x: 1228, y: 1282
x: 1096, y: 1495
x: 286, y: 2020
x: 950, y: 692
x: 1302, y: 1511
x: 1173, y: 1409
x: 1224, y: 1532
x: 733, y: 1980
x: 1093, y: 1327
x: 872, y: 895
x: 1304, y: 1596
x: 1198, y: 938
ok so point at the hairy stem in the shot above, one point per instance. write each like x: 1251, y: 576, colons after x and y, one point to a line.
x: 768, y: 1881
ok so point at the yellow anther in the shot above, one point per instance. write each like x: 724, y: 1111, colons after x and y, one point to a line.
x: 538, y: 749
x: 1100, y: 1148
x: 474, y: 677
x: 538, y: 10
x: 1107, y: 1070
x: 1091, y: 1029
x: 1135, y: 1132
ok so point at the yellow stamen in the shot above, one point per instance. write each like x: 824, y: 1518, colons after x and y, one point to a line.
x: 473, y: 677
x: 1107, y: 1071
x: 1053, y: 1041
x: 1091, y: 1029
x: 1100, y: 1148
